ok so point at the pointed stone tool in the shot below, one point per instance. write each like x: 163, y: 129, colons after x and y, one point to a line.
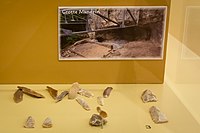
x: 52, y: 92
x: 30, y: 122
x: 47, y: 123
x: 30, y: 92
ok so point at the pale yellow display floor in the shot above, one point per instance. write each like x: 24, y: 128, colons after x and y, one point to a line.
x: 126, y: 112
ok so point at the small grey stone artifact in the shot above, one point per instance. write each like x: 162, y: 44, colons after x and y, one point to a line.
x: 18, y: 96
x: 148, y: 96
x: 30, y: 123
x: 148, y: 126
x: 61, y: 96
x: 157, y: 116
x: 97, y: 120
x: 47, y: 123
x: 107, y: 92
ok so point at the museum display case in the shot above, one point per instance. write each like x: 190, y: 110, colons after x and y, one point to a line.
x: 42, y: 90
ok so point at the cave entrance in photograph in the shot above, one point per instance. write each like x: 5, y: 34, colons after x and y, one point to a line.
x: 111, y: 33
x: 79, y: 23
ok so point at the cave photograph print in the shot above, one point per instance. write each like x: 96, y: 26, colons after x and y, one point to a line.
x: 111, y: 33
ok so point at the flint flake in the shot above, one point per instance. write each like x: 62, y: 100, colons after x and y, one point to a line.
x: 47, y: 123
x: 73, y: 90
x: 157, y: 116
x: 107, y: 92
x: 30, y: 122
x: 18, y: 96
x: 83, y: 104
x: 61, y: 96
x: 30, y: 92
x: 148, y: 96
x: 52, y: 92
x: 85, y: 93
x: 97, y: 120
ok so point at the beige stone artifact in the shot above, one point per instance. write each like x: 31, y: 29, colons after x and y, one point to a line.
x: 47, y: 123
x: 98, y: 109
x: 30, y: 92
x: 107, y: 92
x: 101, y: 112
x: 100, y: 100
x: 30, y: 123
x: 73, y: 91
x: 52, y: 92
x: 157, y: 116
x: 148, y: 96
x: 83, y: 104
x: 18, y: 96
x: 85, y: 93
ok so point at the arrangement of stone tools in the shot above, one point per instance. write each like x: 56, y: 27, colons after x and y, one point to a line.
x: 74, y: 92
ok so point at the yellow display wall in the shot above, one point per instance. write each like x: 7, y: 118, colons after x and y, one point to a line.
x: 29, y: 47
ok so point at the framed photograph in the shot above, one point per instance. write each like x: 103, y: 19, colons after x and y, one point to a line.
x: 111, y: 33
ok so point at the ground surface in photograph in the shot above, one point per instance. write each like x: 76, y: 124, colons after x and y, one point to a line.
x: 133, y: 49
